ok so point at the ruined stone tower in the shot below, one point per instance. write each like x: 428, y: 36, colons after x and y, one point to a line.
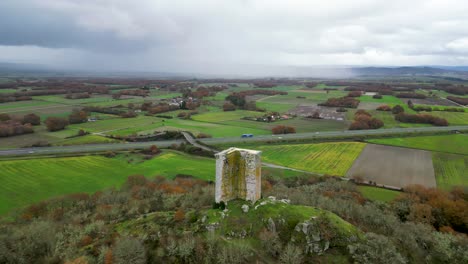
x: 238, y: 175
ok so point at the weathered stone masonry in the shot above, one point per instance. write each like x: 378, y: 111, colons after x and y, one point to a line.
x: 238, y: 175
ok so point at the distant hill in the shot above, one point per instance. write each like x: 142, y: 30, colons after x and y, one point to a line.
x: 398, y: 71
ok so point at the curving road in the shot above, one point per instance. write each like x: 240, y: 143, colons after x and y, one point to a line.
x: 209, y: 141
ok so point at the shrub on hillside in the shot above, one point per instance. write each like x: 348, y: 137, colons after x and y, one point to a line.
x: 397, y: 109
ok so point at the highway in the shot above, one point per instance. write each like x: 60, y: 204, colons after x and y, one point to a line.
x: 209, y: 141
x: 335, y: 134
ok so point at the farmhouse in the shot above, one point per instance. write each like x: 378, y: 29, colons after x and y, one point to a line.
x: 238, y: 175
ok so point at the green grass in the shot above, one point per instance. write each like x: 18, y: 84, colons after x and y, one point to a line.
x: 386, y: 99
x: 7, y: 91
x: 116, y: 123
x: 275, y: 107
x: 450, y: 170
x: 164, y: 95
x: 453, y: 118
x: 220, y: 116
x: 457, y: 144
x: 28, y: 181
x: 323, y: 86
x: 311, y: 97
x: 113, y: 102
x: 23, y: 105
x: 88, y: 139
x: 323, y: 158
x: 378, y: 194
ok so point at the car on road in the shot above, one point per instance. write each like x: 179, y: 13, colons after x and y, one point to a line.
x: 31, y: 152
x: 247, y: 135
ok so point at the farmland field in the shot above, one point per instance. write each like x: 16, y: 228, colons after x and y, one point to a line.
x: 28, y: 181
x: 88, y: 139
x: 450, y: 170
x: 386, y: 99
x: 220, y: 116
x: 393, y: 166
x: 275, y: 107
x: 7, y: 90
x: 323, y: 158
x: 457, y: 144
x: 378, y: 194
x: 453, y: 118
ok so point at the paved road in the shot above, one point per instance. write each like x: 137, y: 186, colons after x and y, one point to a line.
x: 194, y: 142
x: 209, y: 141
x: 332, y: 134
x: 87, y: 148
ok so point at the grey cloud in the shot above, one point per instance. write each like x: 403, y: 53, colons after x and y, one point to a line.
x: 236, y: 36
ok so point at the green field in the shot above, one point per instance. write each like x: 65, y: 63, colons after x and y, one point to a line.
x: 323, y: 86
x: 450, y: 170
x: 214, y: 129
x: 386, y: 99
x: 322, y: 158
x: 23, y: 106
x: 378, y: 194
x: 28, y: 181
x: 7, y: 90
x: 276, y: 107
x: 453, y: 118
x: 88, y: 139
x: 457, y: 144
x: 311, y: 97
x: 220, y: 116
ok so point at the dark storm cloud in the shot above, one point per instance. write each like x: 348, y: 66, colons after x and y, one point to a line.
x: 233, y: 36
x: 23, y: 24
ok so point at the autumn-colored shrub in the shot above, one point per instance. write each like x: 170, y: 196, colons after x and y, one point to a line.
x: 280, y: 129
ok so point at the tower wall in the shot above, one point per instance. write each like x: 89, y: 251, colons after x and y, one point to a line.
x: 238, y: 175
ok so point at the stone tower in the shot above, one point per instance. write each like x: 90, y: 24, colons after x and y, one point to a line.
x: 238, y: 175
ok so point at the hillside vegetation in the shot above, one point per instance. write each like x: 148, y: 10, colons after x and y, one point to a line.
x: 311, y: 220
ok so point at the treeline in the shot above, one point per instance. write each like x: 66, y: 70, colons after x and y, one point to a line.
x: 348, y: 102
x: 458, y: 100
x: 380, y: 88
x: 14, y: 126
x: 103, y: 110
x: 410, y: 95
x: 364, y: 120
x: 203, y: 91
x: 164, y: 107
x: 11, y: 98
x: 421, y: 119
x: 281, y: 129
x: 238, y: 99
x: 77, y: 95
x: 136, y: 92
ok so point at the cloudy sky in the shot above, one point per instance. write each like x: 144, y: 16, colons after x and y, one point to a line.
x: 232, y: 36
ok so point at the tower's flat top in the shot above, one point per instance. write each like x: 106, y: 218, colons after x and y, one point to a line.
x: 229, y: 150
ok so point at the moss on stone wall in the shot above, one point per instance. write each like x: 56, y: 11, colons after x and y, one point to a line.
x: 234, y: 183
